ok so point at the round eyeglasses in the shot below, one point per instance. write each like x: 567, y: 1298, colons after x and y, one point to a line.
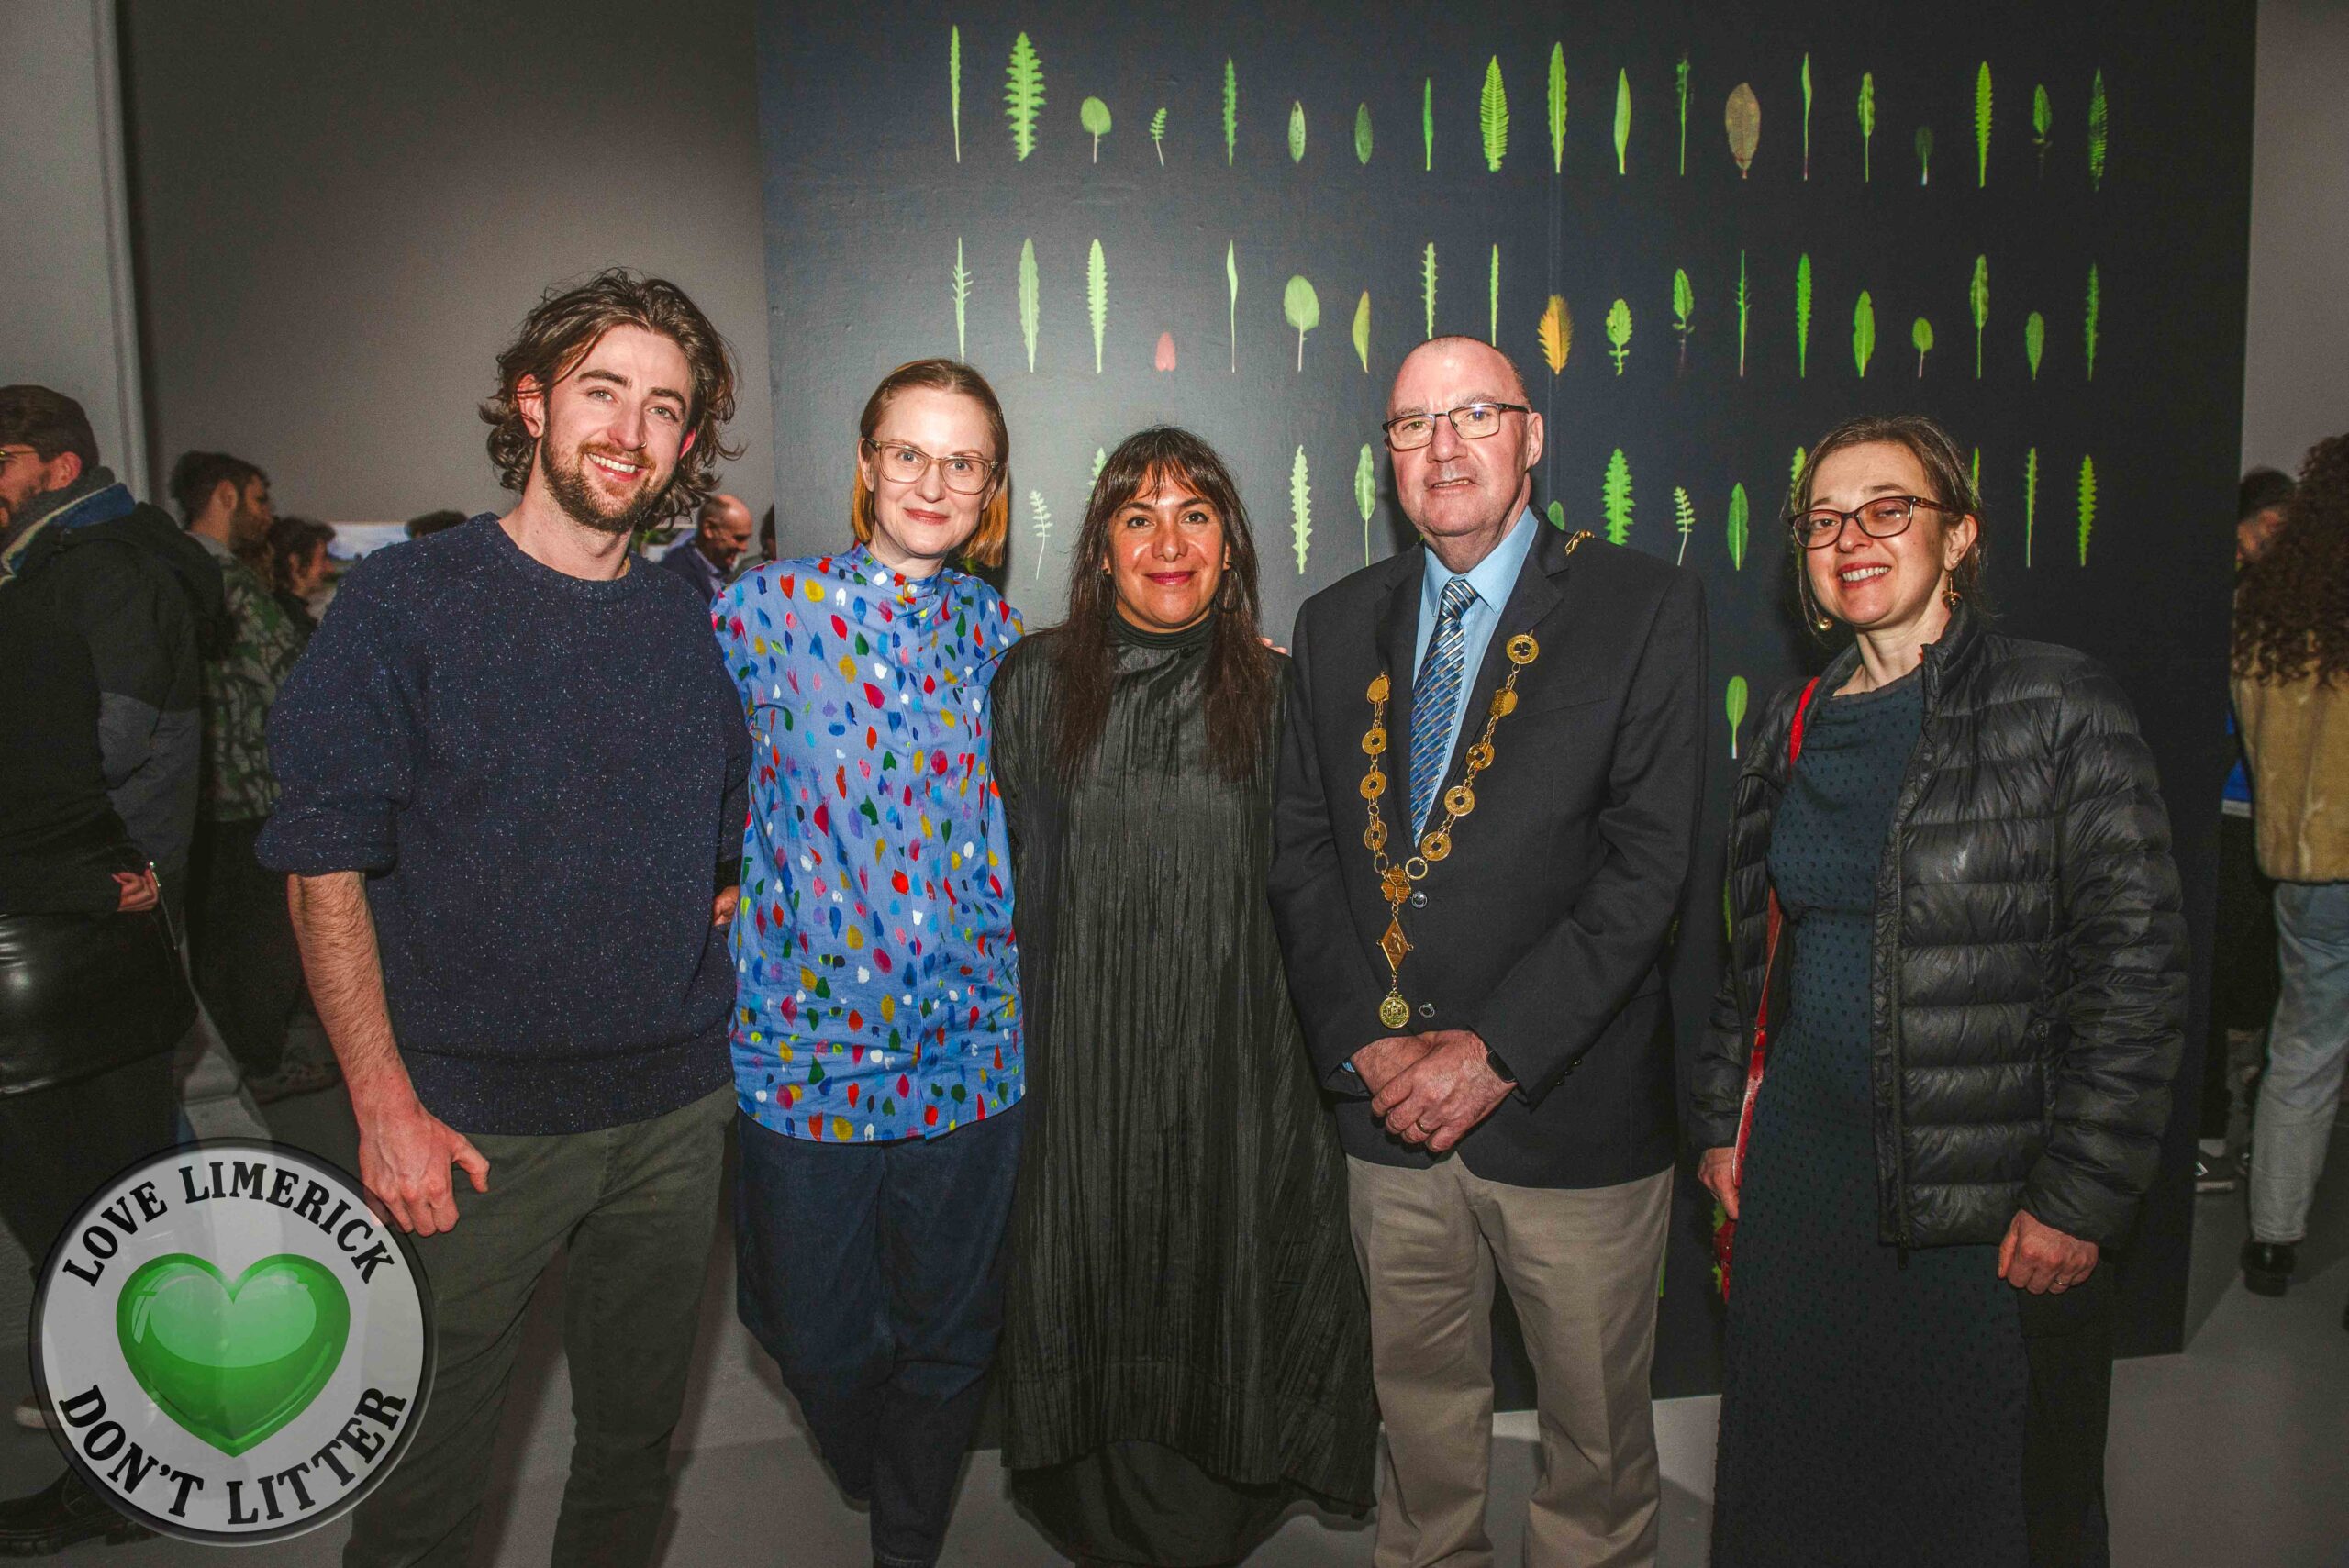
x: 902, y: 465
x: 1887, y: 516
x: 1470, y: 421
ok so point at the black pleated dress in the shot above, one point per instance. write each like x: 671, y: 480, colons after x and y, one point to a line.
x: 1187, y: 1344
x: 1872, y: 1406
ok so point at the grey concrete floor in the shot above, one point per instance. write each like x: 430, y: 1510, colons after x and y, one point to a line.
x: 2231, y: 1454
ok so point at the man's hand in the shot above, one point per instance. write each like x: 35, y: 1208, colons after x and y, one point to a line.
x: 1439, y: 1099
x: 2041, y: 1259
x: 1377, y: 1063
x: 1716, y: 1168
x: 137, y: 891
x: 405, y: 1153
x: 722, y: 907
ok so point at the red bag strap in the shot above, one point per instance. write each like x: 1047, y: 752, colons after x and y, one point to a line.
x: 1794, y: 735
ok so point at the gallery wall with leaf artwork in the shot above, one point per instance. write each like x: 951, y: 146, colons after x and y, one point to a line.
x: 1706, y: 231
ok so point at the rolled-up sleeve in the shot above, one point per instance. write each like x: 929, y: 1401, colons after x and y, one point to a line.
x: 343, y: 739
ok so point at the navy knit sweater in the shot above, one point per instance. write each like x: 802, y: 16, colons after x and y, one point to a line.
x: 542, y: 778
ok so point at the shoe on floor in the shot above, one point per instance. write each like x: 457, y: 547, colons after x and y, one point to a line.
x: 59, y: 1514
x: 31, y: 1415
x: 2215, y: 1174
x: 2267, y: 1266
x: 294, y: 1075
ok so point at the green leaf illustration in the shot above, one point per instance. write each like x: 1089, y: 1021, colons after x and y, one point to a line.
x: 961, y: 290
x: 2088, y: 504
x: 1556, y: 512
x: 2029, y: 501
x: 1978, y: 296
x: 1740, y: 519
x: 954, y: 86
x: 1028, y: 301
x: 1803, y: 316
x: 1615, y: 498
x: 1426, y: 123
x: 1361, y: 331
x: 1623, y: 118
x: 1302, y: 308
x: 1362, y: 133
x: 1618, y: 334
x: 1366, y: 496
x: 1230, y: 110
x: 2042, y: 119
x: 1426, y: 284
x: 1094, y: 115
x: 1976, y: 471
x: 1867, y: 119
x: 1924, y: 155
x: 1684, y: 521
x: 2097, y: 120
x: 1556, y: 333
x: 1158, y: 134
x: 1492, y: 293
x: 1864, y: 332
x: 1806, y: 114
x: 2034, y: 341
x: 2087, y: 322
x: 1557, y: 108
x: 1296, y: 132
x: 1743, y: 118
x: 1100, y: 461
x: 1097, y: 298
x: 1982, y: 126
x: 1734, y: 703
x: 1039, y: 521
x: 1794, y: 481
x: 1683, y: 309
x: 1492, y: 116
x: 1023, y: 94
x: 1232, y: 280
x: 1921, y: 335
x: 1680, y: 87
x: 1300, y: 506
x: 1743, y: 302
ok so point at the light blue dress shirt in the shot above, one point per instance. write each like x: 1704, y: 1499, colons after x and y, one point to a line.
x: 1494, y: 579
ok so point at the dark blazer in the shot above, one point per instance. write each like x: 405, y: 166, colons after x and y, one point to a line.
x: 1545, y: 930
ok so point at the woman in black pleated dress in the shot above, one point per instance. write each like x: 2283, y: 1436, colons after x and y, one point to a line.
x: 1186, y: 1348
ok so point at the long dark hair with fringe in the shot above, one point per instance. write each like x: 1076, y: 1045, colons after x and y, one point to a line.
x: 1239, y: 668
x: 2292, y: 609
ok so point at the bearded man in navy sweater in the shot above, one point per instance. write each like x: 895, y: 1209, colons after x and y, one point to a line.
x: 512, y: 794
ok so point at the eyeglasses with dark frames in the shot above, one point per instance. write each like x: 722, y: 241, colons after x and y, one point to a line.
x: 1885, y: 517
x: 1470, y: 422
x: 903, y: 464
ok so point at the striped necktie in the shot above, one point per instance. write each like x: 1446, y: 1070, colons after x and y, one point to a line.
x: 1435, y: 702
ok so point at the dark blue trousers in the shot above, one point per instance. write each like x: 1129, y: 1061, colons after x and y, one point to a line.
x: 872, y: 1273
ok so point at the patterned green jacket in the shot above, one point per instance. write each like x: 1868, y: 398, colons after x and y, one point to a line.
x: 239, y: 688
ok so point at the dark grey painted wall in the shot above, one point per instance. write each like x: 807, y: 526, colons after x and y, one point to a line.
x: 344, y: 210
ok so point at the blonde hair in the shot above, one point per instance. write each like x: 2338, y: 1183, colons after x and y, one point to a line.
x: 986, y: 544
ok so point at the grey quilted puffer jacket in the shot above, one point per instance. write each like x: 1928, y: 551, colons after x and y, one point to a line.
x: 2027, y: 981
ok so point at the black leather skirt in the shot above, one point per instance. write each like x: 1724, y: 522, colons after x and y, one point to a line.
x: 83, y: 993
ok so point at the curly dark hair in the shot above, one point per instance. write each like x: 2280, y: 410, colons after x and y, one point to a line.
x: 1240, y: 670
x: 566, y: 323
x: 2292, y: 606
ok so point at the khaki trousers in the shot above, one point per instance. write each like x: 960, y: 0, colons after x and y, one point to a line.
x: 1582, y: 1267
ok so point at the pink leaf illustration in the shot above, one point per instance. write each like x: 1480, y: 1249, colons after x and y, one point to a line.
x: 1166, y: 351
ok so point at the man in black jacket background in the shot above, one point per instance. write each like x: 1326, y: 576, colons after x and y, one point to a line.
x: 1487, y: 807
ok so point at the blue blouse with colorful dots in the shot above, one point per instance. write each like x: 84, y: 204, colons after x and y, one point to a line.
x: 876, y: 982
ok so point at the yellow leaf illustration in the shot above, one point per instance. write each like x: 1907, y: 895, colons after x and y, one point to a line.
x: 1557, y: 333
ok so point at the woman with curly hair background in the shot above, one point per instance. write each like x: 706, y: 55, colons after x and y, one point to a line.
x: 2291, y: 689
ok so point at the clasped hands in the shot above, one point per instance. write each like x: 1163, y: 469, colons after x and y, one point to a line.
x: 1431, y: 1088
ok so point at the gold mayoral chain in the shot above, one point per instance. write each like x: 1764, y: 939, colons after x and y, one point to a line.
x: 1435, y: 844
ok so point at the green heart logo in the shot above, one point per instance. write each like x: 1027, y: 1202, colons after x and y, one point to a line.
x: 232, y: 1363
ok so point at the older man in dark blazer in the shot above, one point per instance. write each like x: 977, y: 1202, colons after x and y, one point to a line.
x: 1486, y: 805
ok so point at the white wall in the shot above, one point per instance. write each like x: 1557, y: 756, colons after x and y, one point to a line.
x: 2296, y: 374
x: 68, y: 322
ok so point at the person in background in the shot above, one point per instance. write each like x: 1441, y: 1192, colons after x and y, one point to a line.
x: 766, y: 535
x: 1186, y: 1346
x: 2291, y: 691
x: 877, y: 1047
x: 145, y: 597
x: 425, y: 525
x: 1958, y: 910
x: 241, y: 940
x: 707, y: 557
x: 512, y: 771
x: 297, y: 567
x: 92, y: 998
x: 2243, y: 967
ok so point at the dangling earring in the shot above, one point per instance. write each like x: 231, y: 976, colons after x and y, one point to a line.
x: 1950, y: 596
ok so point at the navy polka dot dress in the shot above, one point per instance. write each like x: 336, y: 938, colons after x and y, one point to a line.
x: 1872, y: 1413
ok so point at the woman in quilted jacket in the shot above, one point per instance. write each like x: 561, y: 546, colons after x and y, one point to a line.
x: 1953, y: 910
